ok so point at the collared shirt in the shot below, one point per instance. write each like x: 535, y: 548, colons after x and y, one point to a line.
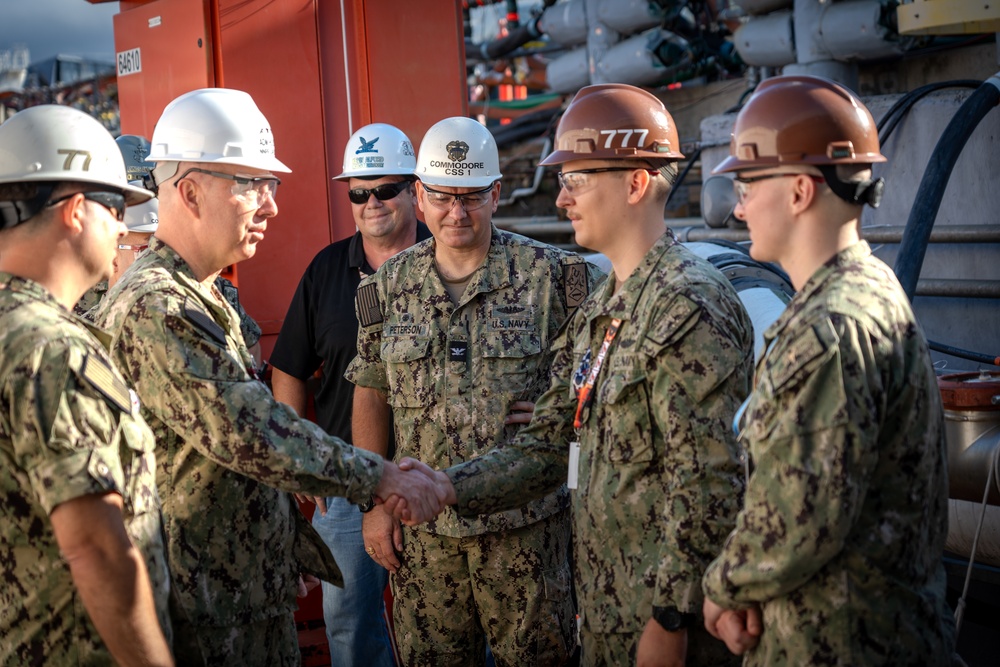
x: 845, y: 519
x: 69, y: 427
x: 321, y: 328
x: 451, y: 372
x: 226, y: 450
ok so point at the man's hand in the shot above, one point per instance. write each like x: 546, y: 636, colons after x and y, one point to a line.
x: 740, y: 629
x: 520, y: 413
x: 422, y: 492
x: 383, y: 538
x: 318, y: 501
x: 397, y: 506
x: 660, y: 648
x: 307, y: 582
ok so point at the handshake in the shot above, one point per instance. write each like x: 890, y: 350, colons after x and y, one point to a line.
x: 413, y: 492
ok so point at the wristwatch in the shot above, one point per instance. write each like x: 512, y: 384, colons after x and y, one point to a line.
x: 671, y: 619
x: 367, y: 505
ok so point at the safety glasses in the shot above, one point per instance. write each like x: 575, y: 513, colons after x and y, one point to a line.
x: 382, y: 192
x: 254, y: 189
x: 577, y: 182
x: 471, y: 201
x: 113, y: 201
x: 742, y: 185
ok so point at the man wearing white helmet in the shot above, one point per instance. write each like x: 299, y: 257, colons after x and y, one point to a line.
x: 227, y: 450
x: 80, y: 518
x: 141, y: 221
x: 452, y: 350
x: 320, y: 331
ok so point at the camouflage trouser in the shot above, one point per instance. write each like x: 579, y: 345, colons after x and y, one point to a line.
x: 610, y: 649
x: 270, y: 643
x: 514, y: 586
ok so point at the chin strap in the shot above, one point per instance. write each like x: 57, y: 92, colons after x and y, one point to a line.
x: 868, y: 191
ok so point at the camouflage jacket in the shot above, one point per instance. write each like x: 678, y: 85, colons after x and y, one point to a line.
x: 846, y: 512
x: 452, y: 372
x: 69, y: 427
x: 659, y: 479
x: 90, y: 299
x: 249, y: 328
x: 226, y: 450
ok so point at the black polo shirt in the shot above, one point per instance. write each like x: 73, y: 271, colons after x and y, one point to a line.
x: 321, y: 328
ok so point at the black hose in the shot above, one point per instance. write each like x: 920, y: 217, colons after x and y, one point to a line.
x: 964, y: 354
x: 682, y: 175
x: 896, y: 112
x: 913, y: 245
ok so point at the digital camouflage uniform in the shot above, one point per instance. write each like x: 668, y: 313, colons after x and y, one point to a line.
x: 660, y: 482
x: 451, y: 374
x: 248, y: 326
x: 235, y: 543
x: 841, y: 538
x: 69, y: 427
x: 91, y: 298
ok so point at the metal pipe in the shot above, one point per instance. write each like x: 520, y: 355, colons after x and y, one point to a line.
x: 686, y: 231
x: 536, y: 181
x: 972, y: 437
x: 973, y: 289
x: 876, y: 234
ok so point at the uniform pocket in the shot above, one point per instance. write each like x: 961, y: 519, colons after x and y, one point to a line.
x: 408, y: 371
x: 626, y: 429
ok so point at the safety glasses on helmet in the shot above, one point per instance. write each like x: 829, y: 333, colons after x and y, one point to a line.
x: 254, y: 189
x: 382, y: 192
x: 113, y: 201
x: 471, y: 201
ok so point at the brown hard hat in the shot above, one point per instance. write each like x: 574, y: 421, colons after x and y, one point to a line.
x: 615, y: 121
x: 802, y: 120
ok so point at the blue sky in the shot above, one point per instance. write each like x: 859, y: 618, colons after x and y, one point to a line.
x: 51, y: 27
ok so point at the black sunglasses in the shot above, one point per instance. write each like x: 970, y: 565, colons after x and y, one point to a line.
x: 113, y: 201
x: 382, y: 192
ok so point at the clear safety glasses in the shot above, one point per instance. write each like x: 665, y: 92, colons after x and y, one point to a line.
x: 577, y: 182
x: 470, y: 201
x: 253, y: 189
x: 742, y: 185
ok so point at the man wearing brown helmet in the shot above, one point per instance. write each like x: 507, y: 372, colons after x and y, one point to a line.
x: 645, y: 382
x: 836, y: 556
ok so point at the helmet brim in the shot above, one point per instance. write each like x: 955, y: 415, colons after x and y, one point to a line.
x: 133, y: 195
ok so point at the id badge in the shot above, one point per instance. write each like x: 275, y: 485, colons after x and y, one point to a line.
x: 573, y: 476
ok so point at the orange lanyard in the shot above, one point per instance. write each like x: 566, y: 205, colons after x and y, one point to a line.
x: 586, y: 394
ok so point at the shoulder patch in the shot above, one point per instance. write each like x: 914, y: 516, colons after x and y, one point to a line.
x: 575, y: 283
x: 368, y: 305
x: 100, y: 377
x: 197, y: 314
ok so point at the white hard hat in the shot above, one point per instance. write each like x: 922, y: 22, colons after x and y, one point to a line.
x: 217, y: 125
x: 143, y: 217
x: 458, y: 152
x: 53, y: 143
x: 378, y: 150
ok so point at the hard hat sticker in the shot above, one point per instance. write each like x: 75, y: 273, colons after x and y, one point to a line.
x: 366, y: 146
x: 266, y: 141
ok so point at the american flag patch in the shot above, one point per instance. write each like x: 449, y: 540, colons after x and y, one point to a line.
x: 368, y: 305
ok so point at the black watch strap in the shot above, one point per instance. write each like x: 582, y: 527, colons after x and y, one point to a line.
x: 367, y: 505
x: 672, y: 619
